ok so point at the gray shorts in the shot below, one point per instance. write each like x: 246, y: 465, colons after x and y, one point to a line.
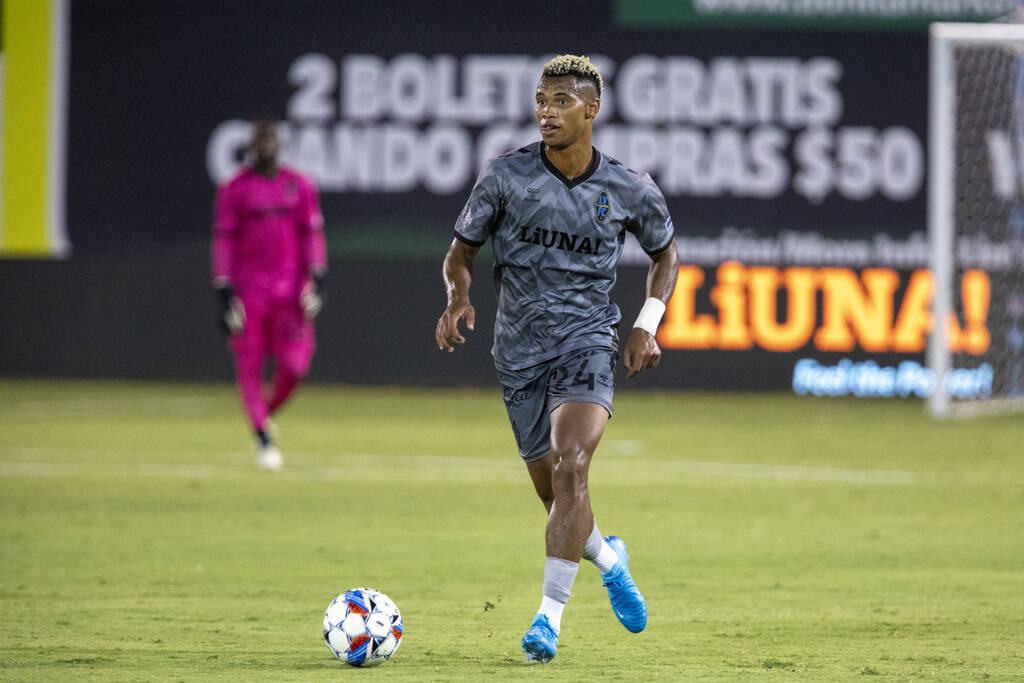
x: 581, y: 376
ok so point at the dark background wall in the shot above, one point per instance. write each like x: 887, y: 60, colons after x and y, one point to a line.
x: 154, y: 85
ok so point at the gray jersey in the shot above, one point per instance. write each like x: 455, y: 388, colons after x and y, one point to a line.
x: 556, y: 244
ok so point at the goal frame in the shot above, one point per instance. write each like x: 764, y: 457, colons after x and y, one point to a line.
x: 943, y: 36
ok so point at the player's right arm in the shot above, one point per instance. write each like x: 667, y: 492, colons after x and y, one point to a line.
x: 457, y: 273
x: 475, y: 224
x: 222, y: 254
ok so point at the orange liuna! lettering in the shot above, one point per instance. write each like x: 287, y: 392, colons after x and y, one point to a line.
x: 858, y: 310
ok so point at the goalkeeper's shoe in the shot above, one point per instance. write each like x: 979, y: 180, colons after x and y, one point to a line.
x: 541, y: 641
x: 270, y: 458
x: 627, y: 600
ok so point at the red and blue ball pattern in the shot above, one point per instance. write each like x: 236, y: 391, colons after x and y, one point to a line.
x: 363, y: 627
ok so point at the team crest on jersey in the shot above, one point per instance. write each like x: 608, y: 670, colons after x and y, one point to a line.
x: 601, y: 206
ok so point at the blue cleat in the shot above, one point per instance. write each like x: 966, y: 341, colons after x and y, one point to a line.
x: 627, y: 600
x: 541, y: 641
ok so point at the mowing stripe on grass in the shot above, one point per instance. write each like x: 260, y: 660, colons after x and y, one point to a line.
x: 343, y: 466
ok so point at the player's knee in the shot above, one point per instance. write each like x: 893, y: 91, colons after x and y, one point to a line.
x: 570, y: 472
x: 295, y: 365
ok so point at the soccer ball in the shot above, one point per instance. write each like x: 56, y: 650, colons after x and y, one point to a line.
x: 363, y: 627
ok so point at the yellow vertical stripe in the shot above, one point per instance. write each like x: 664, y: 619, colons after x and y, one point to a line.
x: 24, y: 205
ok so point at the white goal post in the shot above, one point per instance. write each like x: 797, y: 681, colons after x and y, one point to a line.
x: 976, y: 217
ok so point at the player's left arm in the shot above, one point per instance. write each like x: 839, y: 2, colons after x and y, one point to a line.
x: 656, y: 233
x: 315, y: 248
x: 642, y: 350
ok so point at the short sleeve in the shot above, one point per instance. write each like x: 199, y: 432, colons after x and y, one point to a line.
x: 653, y: 226
x: 483, y: 209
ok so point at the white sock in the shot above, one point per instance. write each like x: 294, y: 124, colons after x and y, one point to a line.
x: 597, y: 550
x: 552, y: 609
x: 559, y: 576
x: 607, y: 558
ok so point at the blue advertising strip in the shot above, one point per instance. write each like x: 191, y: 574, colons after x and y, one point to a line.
x: 868, y: 379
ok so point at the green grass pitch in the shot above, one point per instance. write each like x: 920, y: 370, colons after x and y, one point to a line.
x: 776, y: 538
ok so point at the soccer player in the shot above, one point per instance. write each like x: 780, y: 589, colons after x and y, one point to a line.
x: 269, y: 262
x: 556, y: 213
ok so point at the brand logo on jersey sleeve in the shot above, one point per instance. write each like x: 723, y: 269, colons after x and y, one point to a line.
x: 601, y: 206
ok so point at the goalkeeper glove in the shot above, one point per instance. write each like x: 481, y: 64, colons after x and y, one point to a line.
x: 232, y: 312
x: 312, y: 297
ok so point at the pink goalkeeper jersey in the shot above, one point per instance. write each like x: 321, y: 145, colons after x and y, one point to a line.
x: 267, y: 233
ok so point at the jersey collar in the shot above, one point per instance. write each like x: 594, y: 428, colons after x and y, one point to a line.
x: 595, y: 161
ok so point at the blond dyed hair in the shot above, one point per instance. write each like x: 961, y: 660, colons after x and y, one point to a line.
x: 574, y: 65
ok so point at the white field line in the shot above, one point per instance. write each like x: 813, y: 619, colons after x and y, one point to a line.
x: 58, y: 462
x: 803, y: 473
x: 92, y: 405
x: 29, y: 461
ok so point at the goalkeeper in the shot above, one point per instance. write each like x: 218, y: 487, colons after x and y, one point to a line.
x: 269, y: 261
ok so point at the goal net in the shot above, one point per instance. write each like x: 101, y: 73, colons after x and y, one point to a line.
x: 976, y: 218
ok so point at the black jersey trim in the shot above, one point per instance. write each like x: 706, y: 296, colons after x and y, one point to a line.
x: 655, y: 252
x: 473, y: 243
x: 595, y: 161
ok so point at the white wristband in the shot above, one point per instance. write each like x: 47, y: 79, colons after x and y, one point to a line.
x: 650, y: 315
